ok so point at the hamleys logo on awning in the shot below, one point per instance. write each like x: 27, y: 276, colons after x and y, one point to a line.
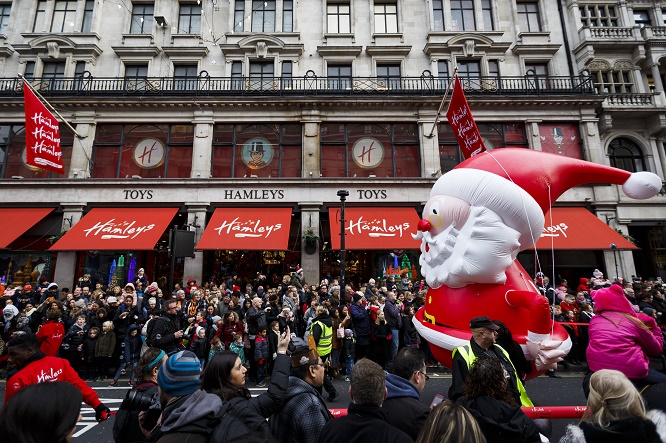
x: 555, y: 230
x: 377, y: 227
x: 247, y: 228
x: 113, y: 230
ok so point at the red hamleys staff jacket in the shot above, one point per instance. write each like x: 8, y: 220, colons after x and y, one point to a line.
x: 48, y: 369
x: 50, y: 337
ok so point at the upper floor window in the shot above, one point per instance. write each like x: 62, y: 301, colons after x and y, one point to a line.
x: 339, y: 76
x: 12, y: 153
x: 462, y: 13
x: 287, y: 15
x: 185, y: 77
x: 86, y: 24
x: 386, y: 18
x: 641, y: 18
x: 438, y: 15
x: 613, y: 81
x: 338, y: 18
x: 239, y: 16
x: 538, y: 69
x: 142, y: 18
x: 368, y: 150
x: 148, y: 151
x: 237, y: 75
x: 287, y: 74
x: 189, y: 19
x: 63, y: 16
x: 627, y: 155
x: 5, y: 10
x: 390, y: 73
x: 257, y: 150
x: 487, y: 14
x: 262, y: 75
x: 136, y: 77
x: 598, y: 15
x: 263, y: 15
x: 528, y: 16
x: 469, y: 69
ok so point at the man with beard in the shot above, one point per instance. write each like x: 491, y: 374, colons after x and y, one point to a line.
x: 165, y: 332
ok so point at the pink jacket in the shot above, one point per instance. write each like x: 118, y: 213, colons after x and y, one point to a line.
x: 616, y: 342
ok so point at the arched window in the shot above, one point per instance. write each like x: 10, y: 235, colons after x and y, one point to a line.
x: 627, y: 155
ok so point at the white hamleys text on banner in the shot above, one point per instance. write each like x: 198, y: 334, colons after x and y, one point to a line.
x: 463, y: 124
x: 42, y: 134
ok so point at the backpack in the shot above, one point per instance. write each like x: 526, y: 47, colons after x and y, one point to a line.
x: 149, y: 330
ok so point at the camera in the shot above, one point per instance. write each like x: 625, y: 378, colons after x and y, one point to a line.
x: 141, y: 401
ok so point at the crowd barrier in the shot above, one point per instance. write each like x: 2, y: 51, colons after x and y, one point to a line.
x: 552, y: 412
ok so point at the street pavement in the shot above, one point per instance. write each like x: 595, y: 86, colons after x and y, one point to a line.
x: 543, y: 391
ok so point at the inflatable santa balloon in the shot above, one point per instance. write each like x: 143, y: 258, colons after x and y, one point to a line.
x: 479, y: 216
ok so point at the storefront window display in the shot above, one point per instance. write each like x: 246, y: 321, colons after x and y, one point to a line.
x: 362, y: 265
x: 369, y: 150
x: 262, y: 151
x: 561, y: 139
x: 121, y: 267
x: 12, y: 154
x: 21, y: 268
x: 147, y: 151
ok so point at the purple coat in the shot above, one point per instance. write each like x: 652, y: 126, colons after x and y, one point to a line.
x: 616, y: 340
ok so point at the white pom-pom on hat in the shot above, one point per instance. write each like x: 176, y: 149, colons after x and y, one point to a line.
x: 642, y: 185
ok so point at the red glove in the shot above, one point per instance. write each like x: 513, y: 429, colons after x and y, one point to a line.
x: 389, y: 337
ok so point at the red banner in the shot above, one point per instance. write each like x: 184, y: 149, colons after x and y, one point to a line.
x: 42, y: 134
x: 375, y: 228
x: 463, y: 124
x: 258, y: 229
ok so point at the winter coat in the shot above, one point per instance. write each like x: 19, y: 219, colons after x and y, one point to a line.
x: 238, y: 349
x: 392, y: 314
x: 261, y: 348
x: 403, y: 407
x: 162, y: 333
x: 256, y: 320
x: 132, y: 346
x: 500, y: 422
x: 40, y: 368
x: 199, y: 347
x: 254, y: 411
x: 362, y: 424
x: 106, y: 343
x: 302, y: 416
x: 228, y: 331
x: 126, y: 424
x: 360, y: 320
x: 76, y: 336
x: 633, y: 429
x: 89, y: 349
x: 616, y: 342
x: 50, y: 336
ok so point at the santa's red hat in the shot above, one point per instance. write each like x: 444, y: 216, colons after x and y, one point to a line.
x: 298, y: 269
x: 522, y: 184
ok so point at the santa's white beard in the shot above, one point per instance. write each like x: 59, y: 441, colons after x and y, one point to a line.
x: 480, y: 252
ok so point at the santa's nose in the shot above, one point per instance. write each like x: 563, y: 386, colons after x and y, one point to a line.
x: 424, y: 225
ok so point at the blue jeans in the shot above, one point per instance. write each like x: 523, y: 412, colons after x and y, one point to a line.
x: 395, y: 343
x: 130, y: 370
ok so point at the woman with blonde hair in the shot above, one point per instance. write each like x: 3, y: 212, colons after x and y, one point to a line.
x: 616, y: 413
x: 449, y: 422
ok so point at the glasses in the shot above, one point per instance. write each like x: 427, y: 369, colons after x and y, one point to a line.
x: 422, y: 373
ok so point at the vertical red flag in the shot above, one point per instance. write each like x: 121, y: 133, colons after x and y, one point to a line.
x: 42, y: 134
x: 463, y: 124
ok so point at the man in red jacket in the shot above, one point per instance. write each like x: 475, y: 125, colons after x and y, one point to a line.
x: 36, y: 367
x: 51, y: 333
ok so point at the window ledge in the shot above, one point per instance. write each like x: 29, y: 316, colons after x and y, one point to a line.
x: 138, y: 39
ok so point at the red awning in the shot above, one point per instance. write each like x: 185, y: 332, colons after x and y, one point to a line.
x: 578, y: 228
x: 375, y: 228
x: 15, y: 221
x: 260, y: 229
x: 107, y: 229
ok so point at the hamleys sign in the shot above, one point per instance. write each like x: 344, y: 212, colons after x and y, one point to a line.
x: 247, y: 229
x: 130, y: 228
x: 375, y: 228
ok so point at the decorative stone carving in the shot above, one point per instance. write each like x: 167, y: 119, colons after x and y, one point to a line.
x: 623, y: 64
x: 262, y: 50
x: 53, y: 49
x: 598, y: 65
x: 469, y: 48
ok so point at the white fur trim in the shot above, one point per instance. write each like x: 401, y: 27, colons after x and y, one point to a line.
x: 659, y: 419
x: 574, y: 434
x: 642, y: 185
x: 511, y: 202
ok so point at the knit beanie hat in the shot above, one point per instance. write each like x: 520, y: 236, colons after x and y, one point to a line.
x: 179, y: 375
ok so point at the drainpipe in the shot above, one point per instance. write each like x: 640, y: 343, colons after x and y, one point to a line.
x: 567, y: 48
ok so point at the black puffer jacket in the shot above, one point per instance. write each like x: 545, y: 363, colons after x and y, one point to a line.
x: 254, y: 411
x: 500, y: 422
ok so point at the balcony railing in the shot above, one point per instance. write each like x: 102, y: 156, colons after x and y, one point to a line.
x: 89, y: 86
x: 611, y: 32
x: 630, y: 99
